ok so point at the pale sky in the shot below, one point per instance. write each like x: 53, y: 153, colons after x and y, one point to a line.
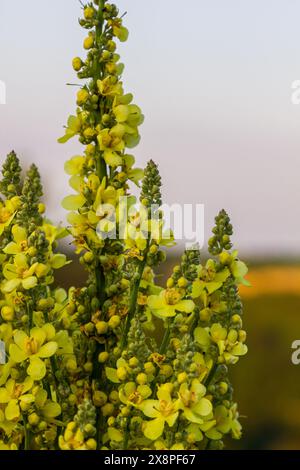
x: 213, y: 79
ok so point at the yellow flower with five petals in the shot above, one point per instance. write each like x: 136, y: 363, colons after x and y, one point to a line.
x: 162, y: 411
x: 15, y: 396
x: 168, y: 303
x: 33, y: 348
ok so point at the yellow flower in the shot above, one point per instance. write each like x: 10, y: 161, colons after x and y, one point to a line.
x: 74, y: 126
x: 7, y: 213
x: 193, y: 402
x: 164, y: 410
x: 131, y: 394
x: 118, y: 30
x: 20, y: 274
x: 79, y: 184
x: 14, y: 396
x: 230, y: 348
x: 160, y: 445
x: 226, y: 420
x: 11, y: 446
x: 110, y: 86
x: 20, y: 243
x: 110, y: 143
x: 33, y: 347
x: 47, y: 408
x: 209, y: 283
x: 168, y: 303
x: 75, y: 165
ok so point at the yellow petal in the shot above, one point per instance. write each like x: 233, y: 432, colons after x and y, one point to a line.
x: 39, y: 335
x: 171, y: 420
x: 12, y: 411
x: 112, y: 158
x: 204, y: 407
x: 48, y: 349
x: 51, y: 410
x: 36, y: 369
x: 12, y: 248
x: 19, y: 338
x: 149, y: 408
x: 11, y: 285
x: 4, y: 395
x: 58, y: 261
x: 29, y: 283
x: 73, y: 202
x: 19, y: 233
x: 74, y: 166
x: 186, y: 306
x: 154, y: 429
x: 16, y: 354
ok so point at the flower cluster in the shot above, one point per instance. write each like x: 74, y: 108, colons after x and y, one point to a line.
x: 36, y: 346
x: 89, y: 369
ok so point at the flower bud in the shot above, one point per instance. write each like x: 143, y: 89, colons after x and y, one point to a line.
x: 101, y: 327
x: 108, y: 409
x: 91, y: 444
x: 242, y: 336
x: 182, y: 377
x: 7, y: 313
x: 77, y: 64
x: 166, y: 370
x: 182, y: 282
x: 71, y: 365
x: 41, y: 208
x: 103, y: 357
x: 114, y: 397
x: 89, y: 257
x: 88, y: 42
x: 142, y: 379
x: 99, y: 398
x: 114, y: 322
x: 236, y: 319
x: 223, y: 388
x: 225, y: 258
x: 133, y: 362
x: 149, y: 368
x: 89, y: 13
x: 88, y: 367
x: 122, y: 373
x: 232, y: 336
x: 33, y: 419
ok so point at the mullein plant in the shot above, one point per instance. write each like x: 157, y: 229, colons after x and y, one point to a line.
x: 36, y: 344
x: 88, y: 369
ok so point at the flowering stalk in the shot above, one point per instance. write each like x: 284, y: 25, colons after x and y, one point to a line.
x: 30, y: 322
x: 86, y: 369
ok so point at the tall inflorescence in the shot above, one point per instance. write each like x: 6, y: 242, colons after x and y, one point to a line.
x: 38, y: 347
x: 119, y: 363
x: 132, y: 387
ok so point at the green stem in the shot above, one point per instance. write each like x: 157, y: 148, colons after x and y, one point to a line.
x: 101, y: 167
x: 30, y: 317
x: 211, y: 375
x: 100, y: 163
x: 26, y: 434
x: 97, y: 368
x: 165, y: 341
x: 133, y: 297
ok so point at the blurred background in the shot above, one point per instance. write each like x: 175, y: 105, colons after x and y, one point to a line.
x: 214, y: 80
